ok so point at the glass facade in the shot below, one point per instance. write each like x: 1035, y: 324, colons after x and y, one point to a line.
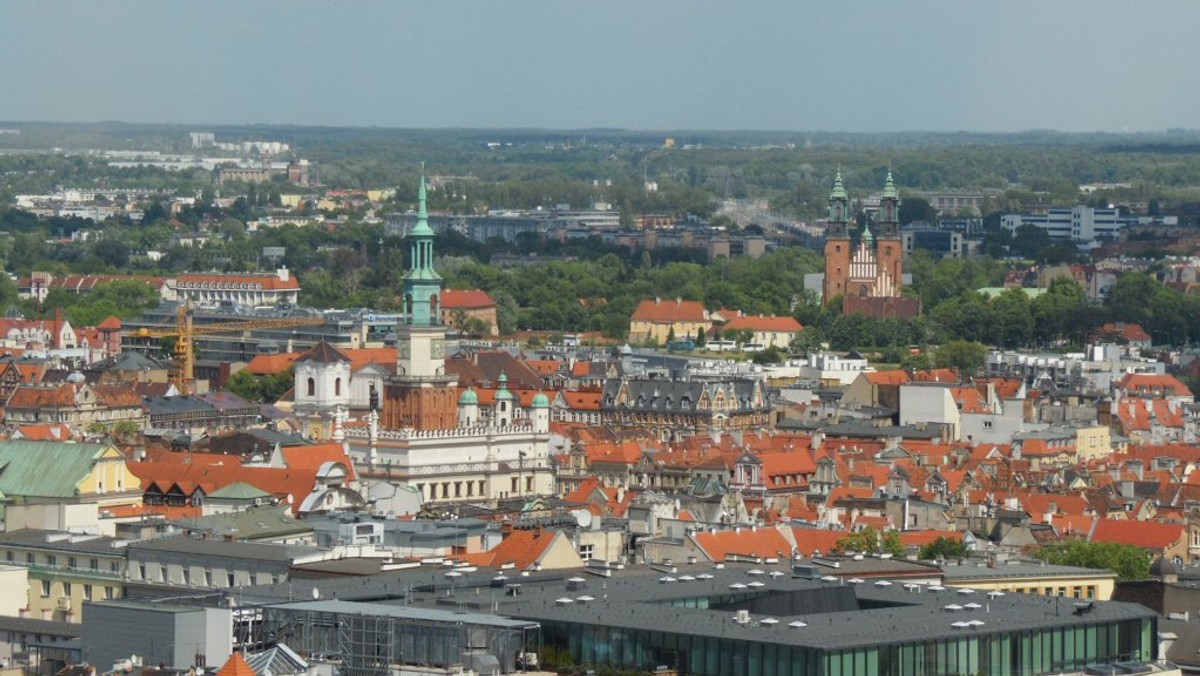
x: 1066, y: 648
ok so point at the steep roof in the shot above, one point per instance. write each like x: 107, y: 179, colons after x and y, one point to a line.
x: 1143, y: 384
x: 1145, y: 534
x: 323, y: 353
x: 270, y: 364
x: 758, y: 542
x: 46, y: 469
x: 764, y: 323
x: 669, y: 312
x: 466, y: 299
x: 896, y: 377
x: 521, y: 549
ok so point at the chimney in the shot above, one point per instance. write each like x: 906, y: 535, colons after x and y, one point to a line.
x: 283, y: 273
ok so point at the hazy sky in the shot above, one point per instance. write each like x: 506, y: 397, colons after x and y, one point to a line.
x: 836, y: 65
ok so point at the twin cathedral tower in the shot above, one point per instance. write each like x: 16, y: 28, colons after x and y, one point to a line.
x: 869, y: 278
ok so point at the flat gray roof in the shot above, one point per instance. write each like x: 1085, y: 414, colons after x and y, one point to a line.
x: 895, y: 614
x: 405, y: 612
x: 232, y: 549
x: 1002, y: 570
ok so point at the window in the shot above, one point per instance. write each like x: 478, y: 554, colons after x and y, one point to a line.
x: 187, y: 575
x: 163, y: 574
x: 514, y: 484
x: 71, y: 561
x: 8, y: 556
x: 66, y: 589
x: 116, y: 567
x: 94, y: 564
x: 51, y: 560
x: 108, y: 592
x: 142, y: 572
x: 232, y: 582
x: 208, y: 577
x: 337, y: 387
x: 312, y: 387
x: 87, y: 592
x: 528, y: 484
x: 586, y: 552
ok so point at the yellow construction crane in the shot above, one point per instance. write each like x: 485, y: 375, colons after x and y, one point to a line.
x: 185, y: 331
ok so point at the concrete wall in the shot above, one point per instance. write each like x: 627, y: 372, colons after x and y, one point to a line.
x: 14, y: 590
x: 169, y: 635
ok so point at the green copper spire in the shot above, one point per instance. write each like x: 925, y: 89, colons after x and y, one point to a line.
x: 889, y: 188
x: 867, y: 236
x: 422, y: 228
x: 839, y: 190
x: 422, y: 284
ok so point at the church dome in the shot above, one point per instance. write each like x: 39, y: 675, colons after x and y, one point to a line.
x: 503, y: 392
x: 468, y: 398
x: 541, y: 401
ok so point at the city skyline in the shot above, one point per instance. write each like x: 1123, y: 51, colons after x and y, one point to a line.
x: 853, y: 67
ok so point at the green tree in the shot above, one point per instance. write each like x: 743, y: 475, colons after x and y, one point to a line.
x: 1128, y: 562
x: 871, y: 541
x: 965, y: 356
x: 944, y: 548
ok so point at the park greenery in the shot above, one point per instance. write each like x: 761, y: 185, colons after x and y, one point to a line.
x: 591, y: 286
x: 1127, y: 561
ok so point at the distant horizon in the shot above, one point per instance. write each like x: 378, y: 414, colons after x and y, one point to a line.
x: 198, y: 126
x: 871, y: 66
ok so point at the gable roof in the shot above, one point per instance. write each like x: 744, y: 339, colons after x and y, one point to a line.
x: 466, y: 299
x: 1145, y: 534
x: 323, y: 353
x: 520, y: 549
x: 764, y: 323
x: 669, y: 312
x: 756, y: 542
x: 47, y: 469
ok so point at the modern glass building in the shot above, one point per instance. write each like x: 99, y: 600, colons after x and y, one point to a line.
x: 732, y: 623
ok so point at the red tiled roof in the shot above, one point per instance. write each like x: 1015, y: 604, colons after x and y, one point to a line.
x: 236, y: 665
x: 52, y: 432
x: 670, y: 311
x: 897, y: 377
x: 1145, y: 534
x: 1143, y: 384
x: 521, y: 549
x: 269, y: 281
x: 812, y: 540
x: 582, y: 400
x: 111, y: 323
x: 758, y: 542
x: 271, y: 364
x: 936, y: 376
x: 42, y: 397
x: 761, y: 323
x: 466, y: 299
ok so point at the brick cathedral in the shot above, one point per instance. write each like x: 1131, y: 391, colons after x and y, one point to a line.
x: 869, y: 276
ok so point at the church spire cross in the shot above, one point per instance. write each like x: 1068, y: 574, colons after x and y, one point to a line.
x: 422, y: 283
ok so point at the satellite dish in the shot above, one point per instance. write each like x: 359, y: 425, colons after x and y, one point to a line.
x: 316, y: 593
x: 582, y: 517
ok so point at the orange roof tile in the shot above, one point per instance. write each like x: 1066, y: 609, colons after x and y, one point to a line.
x: 809, y: 541
x: 1145, y: 534
x: 271, y: 364
x: 896, y: 377
x: 669, y: 311
x: 236, y: 665
x: 764, y: 323
x: 920, y: 538
x: 520, y: 549
x: 466, y: 299
x: 757, y: 542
